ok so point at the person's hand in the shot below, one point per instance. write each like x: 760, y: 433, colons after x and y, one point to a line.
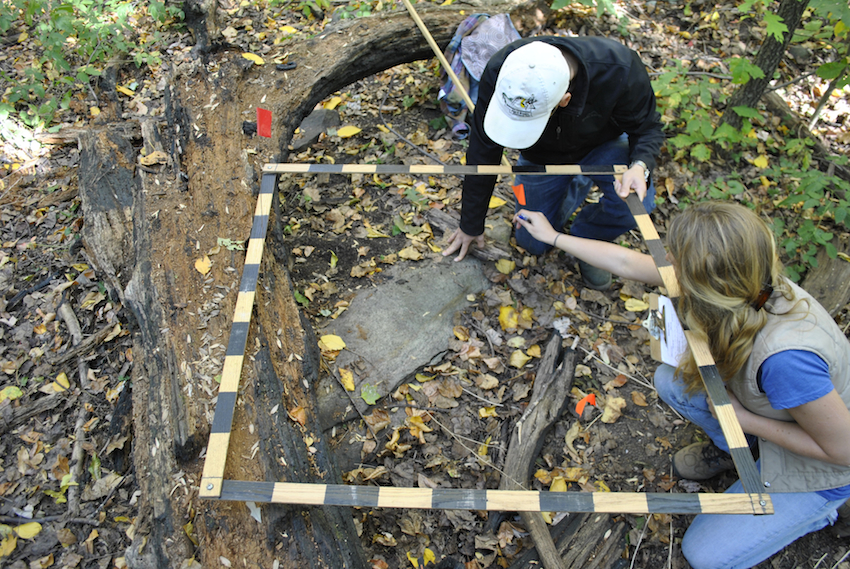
x: 633, y: 179
x: 536, y: 224
x: 460, y: 240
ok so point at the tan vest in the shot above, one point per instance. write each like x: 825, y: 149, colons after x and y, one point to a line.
x: 802, y: 324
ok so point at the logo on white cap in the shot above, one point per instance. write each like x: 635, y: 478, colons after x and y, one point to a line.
x: 531, y: 83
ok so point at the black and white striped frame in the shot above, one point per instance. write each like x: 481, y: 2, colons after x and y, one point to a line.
x: 215, y: 486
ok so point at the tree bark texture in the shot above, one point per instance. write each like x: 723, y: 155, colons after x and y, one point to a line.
x: 767, y: 59
x: 146, y: 226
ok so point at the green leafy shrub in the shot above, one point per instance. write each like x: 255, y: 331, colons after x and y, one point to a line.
x: 74, y: 39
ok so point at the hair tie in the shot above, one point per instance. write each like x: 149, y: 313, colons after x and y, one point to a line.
x: 765, y: 293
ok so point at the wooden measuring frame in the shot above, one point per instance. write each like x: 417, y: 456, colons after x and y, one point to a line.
x: 214, y: 486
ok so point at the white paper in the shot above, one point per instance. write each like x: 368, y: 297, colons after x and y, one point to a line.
x: 673, y: 342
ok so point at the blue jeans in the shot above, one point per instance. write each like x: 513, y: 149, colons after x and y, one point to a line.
x: 557, y: 197
x: 732, y: 541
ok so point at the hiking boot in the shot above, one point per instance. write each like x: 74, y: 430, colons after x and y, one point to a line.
x: 701, y: 461
x: 841, y: 528
x: 595, y: 278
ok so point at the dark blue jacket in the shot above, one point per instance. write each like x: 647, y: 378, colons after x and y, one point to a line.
x: 611, y: 95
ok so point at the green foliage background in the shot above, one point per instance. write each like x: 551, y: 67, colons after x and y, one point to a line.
x: 76, y: 39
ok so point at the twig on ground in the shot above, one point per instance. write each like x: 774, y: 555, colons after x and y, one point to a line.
x: 78, y: 452
x: 640, y: 539
x: 642, y: 382
x: 820, y: 561
x: 484, y: 460
x: 487, y: 401
x: 335, y: 373
x: 837, y: 563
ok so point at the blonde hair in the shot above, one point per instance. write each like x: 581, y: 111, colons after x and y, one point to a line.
x: 724, y: 255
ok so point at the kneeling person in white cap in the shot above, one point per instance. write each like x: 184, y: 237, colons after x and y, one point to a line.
x: 560, y: 100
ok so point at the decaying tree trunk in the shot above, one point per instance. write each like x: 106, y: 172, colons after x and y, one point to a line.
x: 549, y: 399
x: 581, y: 541
x: 148, y: 222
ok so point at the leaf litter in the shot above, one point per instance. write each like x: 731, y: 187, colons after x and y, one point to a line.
x: 448, y: 427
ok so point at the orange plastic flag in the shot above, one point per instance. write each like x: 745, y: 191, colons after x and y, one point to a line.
x: 519, y: 192
x: 591, y: 398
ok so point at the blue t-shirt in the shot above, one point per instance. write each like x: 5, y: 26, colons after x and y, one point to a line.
x: 792, y: 378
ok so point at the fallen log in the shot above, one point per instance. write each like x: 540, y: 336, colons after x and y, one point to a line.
x: 447, y: 223
x: 549, y: 399
x: 581, y: 541
x: 11, y: 417
x: 145, y: 231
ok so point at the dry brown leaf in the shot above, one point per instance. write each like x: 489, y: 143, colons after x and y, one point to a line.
x: 299, y: 415
x: 639, y: 399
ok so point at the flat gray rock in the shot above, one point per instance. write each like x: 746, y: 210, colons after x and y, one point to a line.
x: 394, y: 329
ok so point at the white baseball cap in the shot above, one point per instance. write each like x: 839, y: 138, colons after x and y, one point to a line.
x: 531, y: 83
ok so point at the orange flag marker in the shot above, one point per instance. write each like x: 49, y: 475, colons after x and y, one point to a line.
x: 591, y: 398
x: 519, y: 192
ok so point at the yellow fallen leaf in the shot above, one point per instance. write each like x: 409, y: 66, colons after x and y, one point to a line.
x: 505, y: 266
x: 534, y: 351
x: 331, y: 343
x: 7, y: 546
x: 347, y: 131
x: 155, y: 157
x: 28, y: 531
x: 125, y: 91
x: 203, y: 265
x: 558, y: 485
x: 496, y: 202
x: 333, y: 103
x: 484, y: 412
x: 383, y: 129
x: 613, y: 409
x: 255, y: 58
x: 519, y: 359
x: 372, y: 232
x: 508, y: 317
x: 601, y: 486
x: 288, y: 30
x: 760, y: 162
x: 11, y: 392
x: 635, y: 305
x: 23, y: 37
x: 482, y: 450
x: 94, y: 111
x: 410, y: 253
x: 347, y: 378
x: 428, y: 556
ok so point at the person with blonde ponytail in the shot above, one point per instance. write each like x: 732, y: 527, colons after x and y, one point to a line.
x: 785, y: 362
